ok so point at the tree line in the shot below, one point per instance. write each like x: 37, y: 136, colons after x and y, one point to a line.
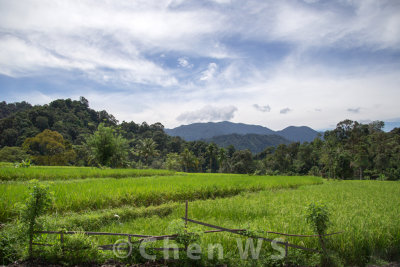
x: 68, y: 132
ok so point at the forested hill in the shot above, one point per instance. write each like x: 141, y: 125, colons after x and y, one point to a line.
x: 197, y: 131
x: 256, y: 143
x: 8, y: 109
x: 298, y: 133
x: 72, y: 119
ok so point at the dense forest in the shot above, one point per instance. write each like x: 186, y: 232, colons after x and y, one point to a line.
x: 69, y: 132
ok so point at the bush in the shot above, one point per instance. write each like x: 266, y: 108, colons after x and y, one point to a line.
x: 12, y: 154
x: 8, y: 253
x: 35, y: 206
x: 12, y: 243
x: 76, y: 249
x: 318, y: 217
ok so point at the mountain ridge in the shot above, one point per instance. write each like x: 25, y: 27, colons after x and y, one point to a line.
x: 208, y: 130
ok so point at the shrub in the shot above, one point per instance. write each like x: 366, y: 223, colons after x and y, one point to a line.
x: 76, y: 249
x: 12, y: 154
x: 36, y: 205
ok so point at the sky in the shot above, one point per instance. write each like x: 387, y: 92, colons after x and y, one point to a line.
x: 271, y: 63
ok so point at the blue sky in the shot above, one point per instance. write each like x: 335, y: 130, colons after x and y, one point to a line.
x: 272, y: 63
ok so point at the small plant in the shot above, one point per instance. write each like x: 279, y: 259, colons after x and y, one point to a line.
x: 35, y: 206
x: 23, y: 164
x: 185, y: 235
x: 318, y: 217
x: 76, y: 249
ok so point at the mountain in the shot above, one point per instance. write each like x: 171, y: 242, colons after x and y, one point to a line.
x: 256, y: 143
x: 298, y: 133
x: 197, y: 131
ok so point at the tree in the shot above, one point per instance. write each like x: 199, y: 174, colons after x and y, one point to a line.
x: 108, y: 148
x: 12, y: 154
x: 147, y: 150
x: 212, y: 153
x: 242, y: 162
x: 49, y: 148
x: 173, y: 162
x: 189, y: 161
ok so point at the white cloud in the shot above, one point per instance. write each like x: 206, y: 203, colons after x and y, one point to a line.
x: 266, y: 108
x: 285, y: 110
x: 210, y: 72
x: 208, y: 113
x: 353, y: 110
x: 132, y: 42
x: 184, y: 62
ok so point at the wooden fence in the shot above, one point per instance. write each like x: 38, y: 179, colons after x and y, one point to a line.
x: 218, y: 229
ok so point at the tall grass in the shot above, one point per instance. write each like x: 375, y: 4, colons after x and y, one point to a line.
x: 101, y: 193
x: 66, y: 173
x: 367, y: 211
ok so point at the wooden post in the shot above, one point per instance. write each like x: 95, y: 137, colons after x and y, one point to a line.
x: 186, y: 220
x: 62, y: 241
x: 186, y: 214
x: 286, y: 253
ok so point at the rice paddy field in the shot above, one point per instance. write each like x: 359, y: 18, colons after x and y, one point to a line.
x: 151, y: 204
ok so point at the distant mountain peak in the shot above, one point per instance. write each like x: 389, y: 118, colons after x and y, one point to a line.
x: 207, y: 130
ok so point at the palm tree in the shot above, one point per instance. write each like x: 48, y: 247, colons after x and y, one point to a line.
x: 147, y: 149
x: 189, y: 161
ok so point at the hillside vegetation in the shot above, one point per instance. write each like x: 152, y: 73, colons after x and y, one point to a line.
x: 69, y: 133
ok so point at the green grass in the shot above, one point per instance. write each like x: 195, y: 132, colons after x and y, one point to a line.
x: 67, y: 173
x: 367, y: 211
x: 101, y: 193
x: 92, y: 220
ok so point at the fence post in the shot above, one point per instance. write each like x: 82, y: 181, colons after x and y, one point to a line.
x: 186, y: 220
x: 186, y: 214
x: 62, y: 241
x: 286, y: 252
x: 321, y: 241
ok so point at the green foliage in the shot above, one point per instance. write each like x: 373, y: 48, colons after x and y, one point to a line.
x: 173, y: 162
x: 12, y: 154
x: 8, y: 253
x: 370, y: 225
x: 8, y: 173
x: 79, y: 195
x: 185, y: 235
x: 147, y: 150
x: 318, y: 217
x: 243, y: 162
x: 12, y: 242
x: 256, y: 143
x: 76, y: 249
x: 189, y: 161
x: 49, y: 148
x: 23, y: 164
x: 37, y: 203
x: 107, y: 147
x: 72, y: 119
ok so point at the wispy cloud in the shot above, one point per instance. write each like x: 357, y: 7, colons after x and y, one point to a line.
x: 178, y: 55
x: 184, y: 62
x: 208, y: 113
x: 209, y: 73
x: 266, y: 108
x: 354, y: 110
x: 285, y: 110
